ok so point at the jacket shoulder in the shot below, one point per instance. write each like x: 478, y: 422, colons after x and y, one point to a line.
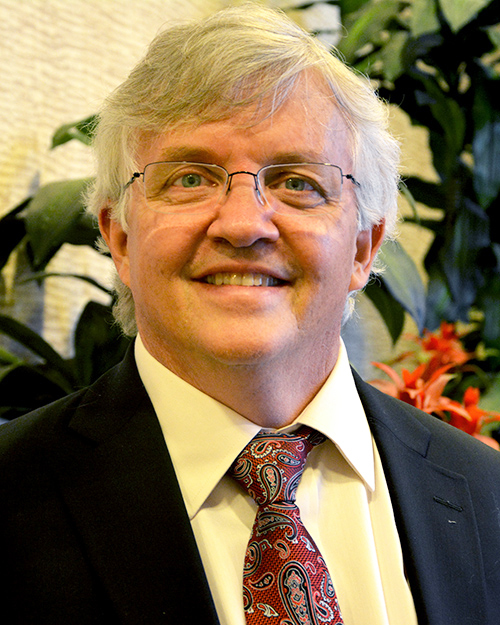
x: 102, y: 403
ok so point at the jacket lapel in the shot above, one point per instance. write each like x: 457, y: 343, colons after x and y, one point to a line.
x: 434, y: 514
x: 118, y: 482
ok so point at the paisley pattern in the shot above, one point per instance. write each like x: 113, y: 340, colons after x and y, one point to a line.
x: 285, y: 579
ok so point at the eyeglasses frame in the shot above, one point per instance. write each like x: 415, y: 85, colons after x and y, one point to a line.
x: 260, y: 194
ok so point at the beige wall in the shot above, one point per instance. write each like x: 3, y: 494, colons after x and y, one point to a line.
x: 59, y: 59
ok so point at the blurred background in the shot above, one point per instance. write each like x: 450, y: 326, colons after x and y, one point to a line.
x: 435, y: 61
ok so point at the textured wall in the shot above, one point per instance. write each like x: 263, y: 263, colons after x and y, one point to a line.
x: 59, y: 59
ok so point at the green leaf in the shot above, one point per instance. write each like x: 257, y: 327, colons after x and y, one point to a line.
x: 390, y: 310
x: 459, y: 255
x: 371, y: 21
x: 84, y: 231
x: 494, y: 35
x: 428, y: 193
x: 447, y: 112
x: 433, y: 225
x: 458, y: 13
x: 490, y: 301
x: 422, y: 47
x: 350, y: 6
x: 34, y: 342
x: 6, y: 358
x: 391, y: 55
x: 403, y: 281
x: 490, y: 400
x: 81, y: 131
x: 439, y: 304
x: 486, y: 149
x: 52, y: 216
x: 424, y: 18
x: 43, y: 275
x: 99, y: 343
x: 434, y: 107
x: 12, y: 232
x: 486, y: 142
x: 408, y: 196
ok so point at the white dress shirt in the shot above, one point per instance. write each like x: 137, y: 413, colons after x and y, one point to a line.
x: 342, y: 496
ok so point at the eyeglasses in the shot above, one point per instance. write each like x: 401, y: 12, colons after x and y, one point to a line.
x: 185, y: 187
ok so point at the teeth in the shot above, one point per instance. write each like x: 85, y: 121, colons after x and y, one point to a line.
x: 242, y: 279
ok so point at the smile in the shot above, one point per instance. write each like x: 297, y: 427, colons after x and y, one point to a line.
x: 242, y: 279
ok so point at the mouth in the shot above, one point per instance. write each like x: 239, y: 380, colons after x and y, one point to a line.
x: 242, y: 279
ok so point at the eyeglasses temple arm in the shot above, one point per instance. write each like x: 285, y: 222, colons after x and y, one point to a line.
x: 135, y: 175
x: 352, y: 179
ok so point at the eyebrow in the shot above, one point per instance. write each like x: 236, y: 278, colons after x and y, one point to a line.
x: 185, y: 153
x: 298, y: 157
x: 199, y: 154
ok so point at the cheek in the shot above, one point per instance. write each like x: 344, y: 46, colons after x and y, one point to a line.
x: 153, y: 260
x: 163, y: 244
x: 326, y: 253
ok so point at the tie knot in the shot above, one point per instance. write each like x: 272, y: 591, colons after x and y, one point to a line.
x: 271, y: 465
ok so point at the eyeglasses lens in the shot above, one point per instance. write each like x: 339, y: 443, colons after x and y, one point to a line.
x: 171, y: 187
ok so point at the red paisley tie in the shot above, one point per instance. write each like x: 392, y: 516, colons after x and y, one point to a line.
x: 285, y: 579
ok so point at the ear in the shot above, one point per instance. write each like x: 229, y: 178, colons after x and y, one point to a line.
x: 368, y: 243
x: 117, y: 241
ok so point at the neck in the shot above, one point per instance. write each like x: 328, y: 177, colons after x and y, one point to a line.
x: 270, y: 394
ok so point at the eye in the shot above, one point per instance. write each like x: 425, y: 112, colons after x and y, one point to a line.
x: 296, y: 184
x: 287, y: 181
x: 191, y: 180
x: 182, y: 183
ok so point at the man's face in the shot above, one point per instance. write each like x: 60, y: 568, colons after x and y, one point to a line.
x: 308, y: 264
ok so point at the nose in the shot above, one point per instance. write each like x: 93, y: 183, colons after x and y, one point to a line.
x: 243, y: 217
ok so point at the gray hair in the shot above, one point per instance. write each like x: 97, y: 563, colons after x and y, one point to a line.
x: 209, y: 70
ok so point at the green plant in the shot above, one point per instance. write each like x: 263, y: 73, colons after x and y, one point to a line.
x: 40, y: 225
x: 439, y: 60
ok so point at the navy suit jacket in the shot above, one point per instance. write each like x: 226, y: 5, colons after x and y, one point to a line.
x: 93, y: 529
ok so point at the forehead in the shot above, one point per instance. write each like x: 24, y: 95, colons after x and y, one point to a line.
x: 308, y: 126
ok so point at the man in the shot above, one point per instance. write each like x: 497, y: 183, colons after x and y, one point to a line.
x: 246, y: 181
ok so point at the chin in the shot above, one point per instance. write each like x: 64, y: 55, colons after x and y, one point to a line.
x: 247, y: 353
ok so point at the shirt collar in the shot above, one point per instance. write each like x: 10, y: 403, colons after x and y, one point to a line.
x: 337, y: 412
x: 204, y: 436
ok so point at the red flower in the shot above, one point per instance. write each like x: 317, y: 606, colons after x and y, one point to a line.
x: 475, y: 417
x: 417, y: 388
x: 445, y: 346
x: 423, y: 389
